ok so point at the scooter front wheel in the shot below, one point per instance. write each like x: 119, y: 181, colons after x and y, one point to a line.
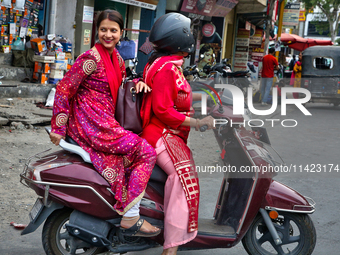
x: 57, y: 241
x: 296, y: 231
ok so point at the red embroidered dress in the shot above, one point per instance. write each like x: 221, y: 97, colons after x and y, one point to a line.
x: 163, y: 111
x: 84, y: 109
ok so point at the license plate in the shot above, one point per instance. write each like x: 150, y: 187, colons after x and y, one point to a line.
x: 36, y: 209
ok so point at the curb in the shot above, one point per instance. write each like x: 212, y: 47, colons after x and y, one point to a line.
x: 10, y: 89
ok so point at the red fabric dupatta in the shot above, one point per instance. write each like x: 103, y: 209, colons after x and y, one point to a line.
x: 176, y: 146
x: 112, y: 68
x: 149, y: 73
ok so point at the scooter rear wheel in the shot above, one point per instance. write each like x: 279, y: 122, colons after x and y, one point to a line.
x: 57, y: 241
x: 296, y: 231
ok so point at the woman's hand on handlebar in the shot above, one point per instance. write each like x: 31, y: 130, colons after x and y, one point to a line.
x: 208, y: 121
x: 55, y: 138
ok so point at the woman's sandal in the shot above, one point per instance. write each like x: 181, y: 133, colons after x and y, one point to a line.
x: 135, y: 230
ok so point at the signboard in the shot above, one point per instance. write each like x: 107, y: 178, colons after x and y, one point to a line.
x: 242, y: 42
x: 208, y: 29
x: 290, y: 17
x: 241, y: 50
x: 291, y: 14
x: 256, y: 54
x: 248, y: 25
x: 302, y: 15
x: 88, y: 14
x: 256, y: 39
x: 147, y: 4
x: 217, y: 8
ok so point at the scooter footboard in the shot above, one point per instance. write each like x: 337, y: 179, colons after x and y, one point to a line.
x: 283, y: 198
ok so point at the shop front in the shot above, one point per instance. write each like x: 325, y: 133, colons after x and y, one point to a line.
x: 209, y: 29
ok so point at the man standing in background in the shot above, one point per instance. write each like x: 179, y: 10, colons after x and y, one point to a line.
x: 269, y: 64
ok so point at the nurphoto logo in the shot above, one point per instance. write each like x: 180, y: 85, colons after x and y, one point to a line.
x: 239, y: 109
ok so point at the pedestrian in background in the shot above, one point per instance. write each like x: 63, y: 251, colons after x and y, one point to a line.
x: 297, y: 74
x: 269, y: 64
x: 292, y: 63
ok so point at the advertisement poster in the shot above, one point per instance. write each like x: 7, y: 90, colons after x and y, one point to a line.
x: 291, y: 15
x: 241, y: 50
x: 88, y: 14
x: 256, y: 54
x: 217, y: 8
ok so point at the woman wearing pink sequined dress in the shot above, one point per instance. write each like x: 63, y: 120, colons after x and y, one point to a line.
x: 84, y: 109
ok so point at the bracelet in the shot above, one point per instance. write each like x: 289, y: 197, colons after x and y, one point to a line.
x: 197, y: 125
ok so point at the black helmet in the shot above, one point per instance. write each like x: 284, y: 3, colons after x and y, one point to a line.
x: 171, y: 33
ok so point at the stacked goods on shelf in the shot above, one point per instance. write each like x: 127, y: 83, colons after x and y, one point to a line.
x: 18, y: 19
x: 41, y: 72
x: 59, y: 65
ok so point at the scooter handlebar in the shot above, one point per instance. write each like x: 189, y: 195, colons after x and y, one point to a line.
x: 203, y: 128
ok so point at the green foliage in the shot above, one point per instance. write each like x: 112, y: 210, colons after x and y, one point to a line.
x: 329, y: 10
x: 321, y: 27
x: 337, y: 42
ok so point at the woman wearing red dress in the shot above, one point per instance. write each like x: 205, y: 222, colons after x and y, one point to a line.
x: 167, y: 122
x: 84, y: 109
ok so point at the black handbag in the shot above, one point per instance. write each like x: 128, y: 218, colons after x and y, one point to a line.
x: 128, y: 107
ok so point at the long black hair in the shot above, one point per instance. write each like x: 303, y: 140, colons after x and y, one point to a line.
x: 157, y: 54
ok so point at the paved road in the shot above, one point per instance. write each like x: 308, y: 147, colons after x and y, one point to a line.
x: 315, y: 140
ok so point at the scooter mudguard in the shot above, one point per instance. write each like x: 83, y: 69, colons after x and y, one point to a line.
x: 41, y: 216
x: 283, y: 198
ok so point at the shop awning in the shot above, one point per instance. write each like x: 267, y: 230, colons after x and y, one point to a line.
x: 216, y: 8
x: 299, y: 43
x: 147, y: 4
x: 251, y: 6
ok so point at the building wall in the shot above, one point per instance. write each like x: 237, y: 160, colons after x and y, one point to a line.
x: 228, y: 38
x: 65, y: 18
x: 310, y: 18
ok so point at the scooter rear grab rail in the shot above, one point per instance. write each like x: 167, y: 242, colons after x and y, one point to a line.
x: 47, y: 185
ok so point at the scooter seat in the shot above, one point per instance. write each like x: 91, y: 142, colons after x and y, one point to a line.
x: 158, y: 175
x: 70, y: 140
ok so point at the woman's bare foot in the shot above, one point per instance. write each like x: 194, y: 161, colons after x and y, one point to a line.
x: 128, y: 222
x: 170, y: 251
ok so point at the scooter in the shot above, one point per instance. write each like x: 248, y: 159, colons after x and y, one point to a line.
x: 76, y: 202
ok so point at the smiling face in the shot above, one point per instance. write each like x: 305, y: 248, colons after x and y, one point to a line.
x: 109, y: 34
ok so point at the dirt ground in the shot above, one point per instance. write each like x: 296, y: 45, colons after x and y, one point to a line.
x: 22, y: 141
x: 16, y: 146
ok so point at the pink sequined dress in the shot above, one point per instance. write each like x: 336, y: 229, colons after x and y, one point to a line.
x: 84, y: 109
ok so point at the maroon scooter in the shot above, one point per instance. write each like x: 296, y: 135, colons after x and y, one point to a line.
x: 76, y: 202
